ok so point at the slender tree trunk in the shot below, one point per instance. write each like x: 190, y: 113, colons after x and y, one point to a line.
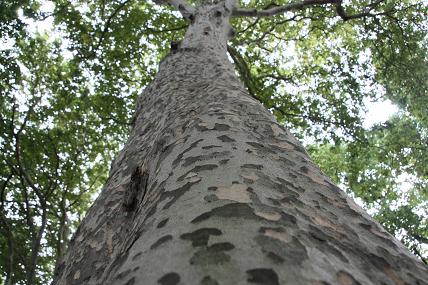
x: 35, y: 248
x: 6, y: 230
x: 209, y: 189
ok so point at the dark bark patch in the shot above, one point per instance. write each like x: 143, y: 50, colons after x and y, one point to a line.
x: 131, y: 281
x: 176, y: 194
x: 365, y: 226
x: 136, y: 189
x: 344, y: 278
x: 169, y: 279
x: 122, y: 274
x: 252, y: 166
x: 161, y: 241
x: 200, y: 237
x: 180, y: 156
x: 191, y: 160
x: 221, y: 127
x: 289, y: 185
x: 292, y: 198
x: 197, y: 169
x: 165, y: 152
x: 274, y: 257
x: 304, y: 169
x: 225, y: 138
x: 151, y: 211
x: 263, y: 276
x: 212, y: 188
x: 234, y: 210
x: 260, y: 147
x: 202, y: 128
x: 224, y: 161
x: 210, y: 146
x: 320, y: 241
x: 288, y: 220
x: 207, y: 280
x: 213, y: 254
x: 211, y: 198
x: 287, y: 161
x: 137, y: 255
x: 221, y: 246
x: 162, y: 223
x: 293, y: 252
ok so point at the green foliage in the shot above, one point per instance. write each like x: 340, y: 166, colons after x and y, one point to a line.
x: 67, y: 97
x: 388, y: 171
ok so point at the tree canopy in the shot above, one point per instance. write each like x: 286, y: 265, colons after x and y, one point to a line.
x: 70, y: 72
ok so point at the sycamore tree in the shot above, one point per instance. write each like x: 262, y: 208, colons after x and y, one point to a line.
x: 67, y: 103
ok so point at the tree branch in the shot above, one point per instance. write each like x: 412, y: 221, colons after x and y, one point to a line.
x: 245, y: 12
x: 108, y: 23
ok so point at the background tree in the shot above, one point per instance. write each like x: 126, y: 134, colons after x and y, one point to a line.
x: 312, y: 67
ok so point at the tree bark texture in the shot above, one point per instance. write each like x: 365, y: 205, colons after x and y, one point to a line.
x: 210, y: 189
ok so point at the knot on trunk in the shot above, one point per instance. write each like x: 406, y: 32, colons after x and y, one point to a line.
x: 136, y: 189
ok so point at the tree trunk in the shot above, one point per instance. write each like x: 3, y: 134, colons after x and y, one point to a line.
x: 210, y: 189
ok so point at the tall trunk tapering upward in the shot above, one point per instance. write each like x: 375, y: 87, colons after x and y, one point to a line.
x: 209, y: 189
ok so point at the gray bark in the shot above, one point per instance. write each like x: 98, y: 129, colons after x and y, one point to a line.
x: 210, y: 189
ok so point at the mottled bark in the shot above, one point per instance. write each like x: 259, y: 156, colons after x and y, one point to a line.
x: 210, y: 189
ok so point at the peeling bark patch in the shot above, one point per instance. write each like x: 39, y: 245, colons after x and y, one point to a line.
x: 200, y: 237
x: 213, y: 254
x: 234, y: 210
x: 169, y: 279
x: 251, y: 176
x: 225, y: 138
x: 162, y: 223
x: 262, y: 276
x: 161, y: 241
x: 207, y: 280
x: 344, y: 278
x: 236, y: 192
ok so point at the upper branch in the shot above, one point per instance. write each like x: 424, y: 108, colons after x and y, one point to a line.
x: 242, y: 12
x: 366, y: 10
x: 186, y: 10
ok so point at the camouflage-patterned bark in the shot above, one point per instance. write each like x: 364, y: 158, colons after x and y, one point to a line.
x: 210, y: 189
